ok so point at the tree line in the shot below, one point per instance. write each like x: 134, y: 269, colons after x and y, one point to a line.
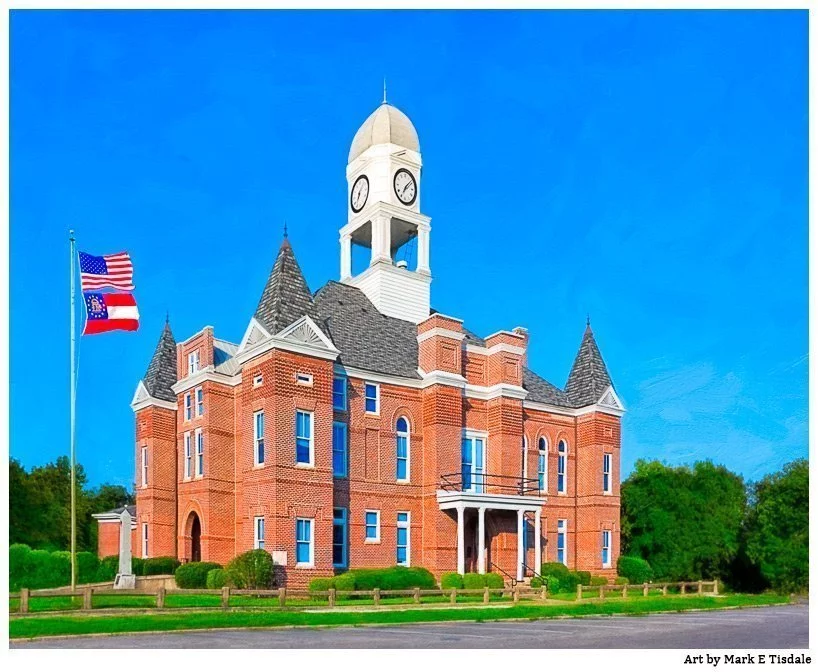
x: 40, y: 506
x: 704, y: 522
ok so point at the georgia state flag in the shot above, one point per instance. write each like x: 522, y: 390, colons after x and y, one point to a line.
x: 108, y: 312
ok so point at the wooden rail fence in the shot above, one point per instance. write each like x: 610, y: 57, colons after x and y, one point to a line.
x: 519, y: 592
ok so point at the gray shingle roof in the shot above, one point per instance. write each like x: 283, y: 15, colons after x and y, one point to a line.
x: 286, y: 296
x: 161, y: 373
x: 131, y: 510
x: 539, y: 389
x: 589, y: 376
x: 366, y: 338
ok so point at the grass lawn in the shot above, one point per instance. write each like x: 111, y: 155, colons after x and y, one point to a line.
x: 69, y: 624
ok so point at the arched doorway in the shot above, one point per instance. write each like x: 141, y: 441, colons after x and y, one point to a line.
x: 193, y: 530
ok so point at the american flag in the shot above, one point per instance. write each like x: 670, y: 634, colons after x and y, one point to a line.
x: 109, y: 270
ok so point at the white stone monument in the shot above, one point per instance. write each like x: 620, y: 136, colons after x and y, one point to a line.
x: 125, y: 579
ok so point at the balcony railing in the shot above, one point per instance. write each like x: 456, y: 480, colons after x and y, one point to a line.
x: 490, y: 483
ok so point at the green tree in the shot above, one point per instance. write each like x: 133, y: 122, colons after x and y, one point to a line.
x: 778, y: 527
x: 686, y: 522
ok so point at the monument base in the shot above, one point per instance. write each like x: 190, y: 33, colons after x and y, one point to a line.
x: 125, y: 582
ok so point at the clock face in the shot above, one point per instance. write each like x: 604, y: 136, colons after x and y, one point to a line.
x: 406, y: 189
x: 360, y: 192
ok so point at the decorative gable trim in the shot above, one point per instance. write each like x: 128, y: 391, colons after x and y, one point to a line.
x: 143, y: 399
x: 303, y: 337
x: 609, y: 399
x: 254, y: 333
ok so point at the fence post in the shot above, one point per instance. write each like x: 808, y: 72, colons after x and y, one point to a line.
x: 453, y: 598
x: 516, y: 593
x: 645, y: 589
x: 625, y: 590
x: 225, y: 596
x: 682, y: 588
x: 376, y: 596
x: 486, y: 595
x: 701, y: 589
x: 86, y: 598
x: 579, y: 591
x: 715, y: 587
x: 282, y: 597
x: 543, y: 592
x: 664, y: 589
x: 160, y: 597
x: 331, y: 597
x: 416, y: 596
x: 602, y: 592
x: 24, y: 593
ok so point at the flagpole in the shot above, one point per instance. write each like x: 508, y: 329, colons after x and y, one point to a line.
x: 73, y: 419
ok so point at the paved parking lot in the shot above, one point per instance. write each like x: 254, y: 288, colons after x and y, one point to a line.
x: 781, y: 627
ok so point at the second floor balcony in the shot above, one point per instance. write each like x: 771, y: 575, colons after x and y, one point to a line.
x: 478, y: 482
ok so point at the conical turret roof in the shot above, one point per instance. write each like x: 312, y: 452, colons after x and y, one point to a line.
x: 286, y: 296
x: 589, y: 377
x: 161, y: 373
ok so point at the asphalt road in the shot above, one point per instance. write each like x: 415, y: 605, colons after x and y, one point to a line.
x: 781, y: 627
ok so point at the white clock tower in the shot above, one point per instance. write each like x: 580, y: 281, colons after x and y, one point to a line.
x: 383, y: 180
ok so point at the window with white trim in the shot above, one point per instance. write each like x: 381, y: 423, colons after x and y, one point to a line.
x: 606, y: 548
x: 606, y: 473
x: 372, y: 403
x: 562, y: 467
x: 199, y: 402
x: 258, y: 379
x: 372, y: 526
x: 562, y: 541
x: 304, y: 546
x: 339, y: 449
x: 144, y: 466
x: 402, y: 449
x: 199, y: 453
x: 303, y: 438
x: 188, y: 456
x: 144, y: 540
x: 258, y: 532
x: 542, y: 464
x: 402, y: 554
x: 192, y: 362
x: 339, y: 393
x: 303, y: 379
x: 339, y: 537
x: 188, y: 406
x: 525, y: 457
x: 258, y: 437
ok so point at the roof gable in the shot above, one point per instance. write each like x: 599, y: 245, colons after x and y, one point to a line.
x: 286, y: 296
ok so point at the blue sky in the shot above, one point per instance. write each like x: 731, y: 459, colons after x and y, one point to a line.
x: 648, y: 168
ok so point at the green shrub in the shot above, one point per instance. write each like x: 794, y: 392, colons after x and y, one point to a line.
x: 194, y: 574
x: 494, y: 580
x: 87, y: 564
x: 621, y: 580
x: 137, y: 566
x: 58, y: 569
x: 553, y: 583
x: 393, y: 578
x: 584, y: 578
x: 344, y: 582
x: 554, y: 569
x: 449, y: 580
x: 599, y: 581
x: 253, y: 569
x: 216, y: 578
x: 321, y: 583
x: 635, y: 569
x: 161, y: 565
x: 108, y: 567
x: 472, y: 581
x: 536, y: 582
x: 19, y: 566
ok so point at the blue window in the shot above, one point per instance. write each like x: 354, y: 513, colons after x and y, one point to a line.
x: 562, y: 452
x: 471, y: 463
x: 339, y: 537
x: 339, y: 393
x: 258, y: 436
x: 562, y: 532
x: 371, y: 398
x: 258, y: 532
x: 339, y: 449
x: 303, y: 541
x: 199, y: 453
x: 606, y: 473
x: 199, y: 401
x: 542, y: 464
x: 402, y: 429
x: 606, y: 548
x: 402, y: 549
x: 372, y: 525
x: 188, y: 406
x: 303, y: 437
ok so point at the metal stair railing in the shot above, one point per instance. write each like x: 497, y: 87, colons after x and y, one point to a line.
x: 504, y: 573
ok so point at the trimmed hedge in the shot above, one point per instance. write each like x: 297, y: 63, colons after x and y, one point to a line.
x: 194, y: 574
x: 584, y: 577
x: 137, y: 566
x: 621, y: 580
x: 536, y: 582
x: 494, y: 580
x: 43, y: 569
x: 253, y: 569
x: 553, y: 583
x: 449, y: 580
x: 342, y: 582
x: 108, y: 567
x: 599, y: 581
x: 393, y: 578
x: 473, y: 581
x: 321, y: 583
x: 635, y: 569
x: 554, y: 569
x: 160, y: 565
x: 19, y: 566
x: 216, y: 578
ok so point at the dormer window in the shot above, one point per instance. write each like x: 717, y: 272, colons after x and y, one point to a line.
x: 192, y: 362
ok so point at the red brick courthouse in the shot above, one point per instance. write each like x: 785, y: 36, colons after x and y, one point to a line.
x: 357, y: 427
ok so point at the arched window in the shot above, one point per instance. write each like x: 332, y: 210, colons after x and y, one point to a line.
x: 562, y: 466
x: 542, y: 464
x: 402, y: 430
x: 525, y: 457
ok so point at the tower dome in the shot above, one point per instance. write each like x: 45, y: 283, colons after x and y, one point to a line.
x: 387, y: 124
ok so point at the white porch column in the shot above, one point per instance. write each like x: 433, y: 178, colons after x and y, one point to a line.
x: 520, y: 545
x: 461, y: 542
x: 481, y: 540
x: 537, y: 542
x: 423, y: 249
x: 346, y: 256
